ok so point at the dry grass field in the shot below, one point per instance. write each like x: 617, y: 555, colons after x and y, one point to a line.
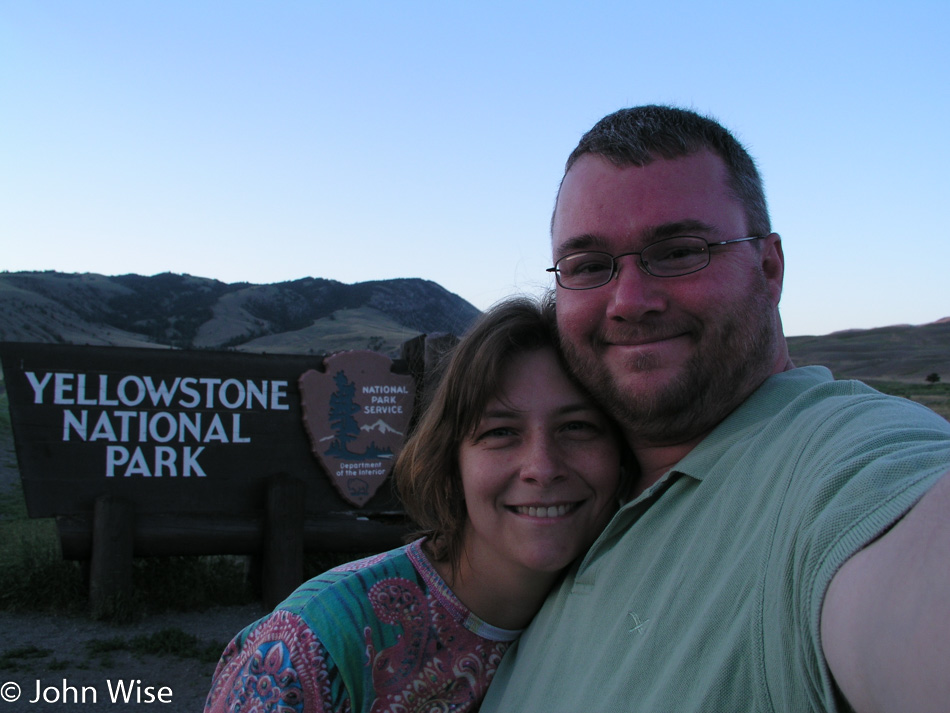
x: 896, y: 360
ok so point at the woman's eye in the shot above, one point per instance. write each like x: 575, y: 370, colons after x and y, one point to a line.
x: 499, y: 432
x: 581, y: 428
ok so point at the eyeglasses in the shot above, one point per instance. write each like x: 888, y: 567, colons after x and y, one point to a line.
x: 671, y: 257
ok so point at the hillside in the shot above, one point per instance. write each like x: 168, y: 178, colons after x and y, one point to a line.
x: 898, y: 353
x: 315, y: 315
x: 311, y: 315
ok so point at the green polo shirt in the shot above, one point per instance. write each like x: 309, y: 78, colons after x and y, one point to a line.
x: 705, y: 593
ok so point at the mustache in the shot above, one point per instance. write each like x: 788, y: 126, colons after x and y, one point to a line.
x: 643, y: 332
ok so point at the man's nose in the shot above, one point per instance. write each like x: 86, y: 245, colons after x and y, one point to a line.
x: 634, y: 292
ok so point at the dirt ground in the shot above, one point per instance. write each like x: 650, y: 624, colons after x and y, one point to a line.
x: 68, y: 658
x: 65, y: 638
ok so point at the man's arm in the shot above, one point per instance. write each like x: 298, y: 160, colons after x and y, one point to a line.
x: 885, y: 622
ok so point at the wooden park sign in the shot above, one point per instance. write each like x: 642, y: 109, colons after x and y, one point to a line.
x: 194, y: 442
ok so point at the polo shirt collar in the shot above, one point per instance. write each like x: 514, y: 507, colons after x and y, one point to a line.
x: 772, y: 396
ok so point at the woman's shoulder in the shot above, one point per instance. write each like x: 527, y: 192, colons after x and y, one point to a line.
x: 347, y: 585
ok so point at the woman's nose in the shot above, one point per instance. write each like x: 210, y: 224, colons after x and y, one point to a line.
x: 540, y: 460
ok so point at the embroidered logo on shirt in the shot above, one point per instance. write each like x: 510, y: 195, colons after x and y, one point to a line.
x: 637, y: 624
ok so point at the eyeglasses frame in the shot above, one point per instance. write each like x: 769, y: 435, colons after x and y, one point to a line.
x: 614, y: 266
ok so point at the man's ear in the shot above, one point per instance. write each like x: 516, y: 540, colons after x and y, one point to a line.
x: 773, y: 265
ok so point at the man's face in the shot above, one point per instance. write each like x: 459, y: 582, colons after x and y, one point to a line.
x: 670, y: 356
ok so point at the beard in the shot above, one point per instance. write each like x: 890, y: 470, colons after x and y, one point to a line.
x: 731, y: 359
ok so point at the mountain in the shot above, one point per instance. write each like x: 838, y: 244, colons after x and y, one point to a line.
x: 896, y: 353
x: 310, y: 315
x: 315, y: 315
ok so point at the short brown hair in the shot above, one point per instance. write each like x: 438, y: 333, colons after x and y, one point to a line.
x: 639, y: 135
x: 427, y: 473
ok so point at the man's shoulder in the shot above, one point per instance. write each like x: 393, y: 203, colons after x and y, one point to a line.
x: 812, y: 393
x: 806, y: 410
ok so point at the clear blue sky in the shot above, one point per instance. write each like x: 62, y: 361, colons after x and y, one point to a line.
x: 261, y: 142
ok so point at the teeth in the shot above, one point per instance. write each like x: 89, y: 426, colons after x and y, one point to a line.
x: 550, y: 511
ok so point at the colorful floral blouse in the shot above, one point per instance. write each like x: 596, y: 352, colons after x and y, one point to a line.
x: 381, y: 634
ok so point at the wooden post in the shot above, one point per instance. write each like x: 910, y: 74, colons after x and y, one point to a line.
x: 110, y: 571
x: 283, y: 538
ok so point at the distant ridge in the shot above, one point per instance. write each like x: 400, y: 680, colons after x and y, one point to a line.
x: 895, y: 353
x: 316, y: 315
x: 310, y: 315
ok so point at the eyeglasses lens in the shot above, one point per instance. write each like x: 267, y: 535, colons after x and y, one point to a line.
x: 676, y: 256
x: 582, y: 271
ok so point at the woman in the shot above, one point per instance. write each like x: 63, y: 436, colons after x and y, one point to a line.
x: 511, y: 474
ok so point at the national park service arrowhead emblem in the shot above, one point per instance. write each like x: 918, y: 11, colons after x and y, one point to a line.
x: 356, y: 414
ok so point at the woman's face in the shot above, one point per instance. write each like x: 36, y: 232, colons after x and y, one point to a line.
x: 540, y: 472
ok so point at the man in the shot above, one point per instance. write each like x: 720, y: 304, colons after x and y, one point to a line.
x: 788, y: 544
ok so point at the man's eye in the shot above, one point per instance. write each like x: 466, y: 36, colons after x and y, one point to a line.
x: 680, y: 253
x: 587, y: 267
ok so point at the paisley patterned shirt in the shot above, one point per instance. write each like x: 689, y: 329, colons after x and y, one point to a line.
x: 381, y: 634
